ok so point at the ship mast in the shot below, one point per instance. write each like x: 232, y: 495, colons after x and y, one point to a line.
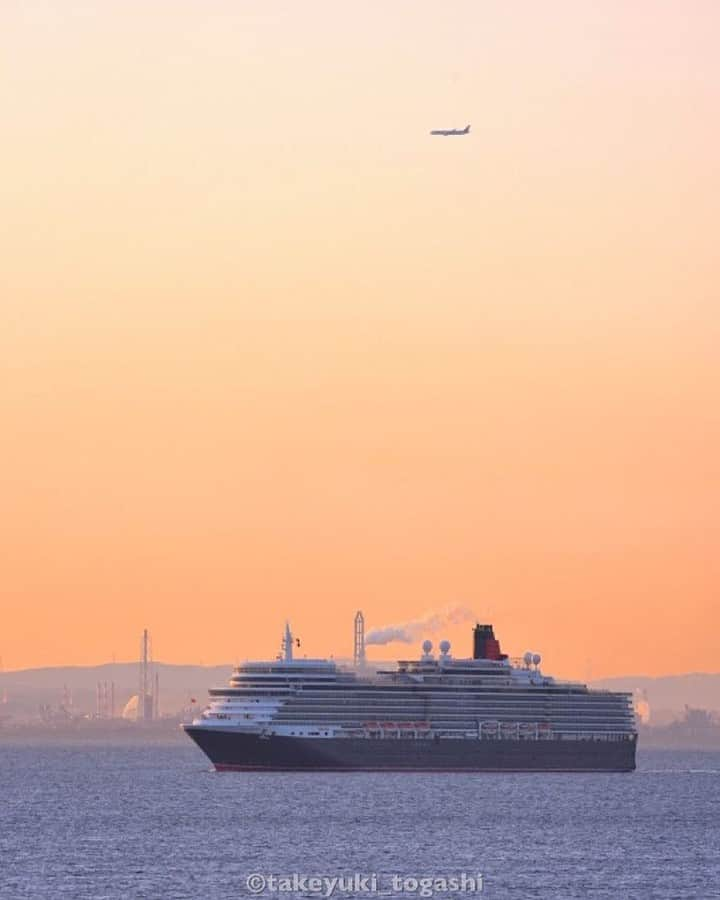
x: 288, y: 643
x: 359, y: 646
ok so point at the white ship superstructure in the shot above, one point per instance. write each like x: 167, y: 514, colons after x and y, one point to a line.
x: 483, y: 697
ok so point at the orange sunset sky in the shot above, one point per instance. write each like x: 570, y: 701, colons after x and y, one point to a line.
x: 269, y: 350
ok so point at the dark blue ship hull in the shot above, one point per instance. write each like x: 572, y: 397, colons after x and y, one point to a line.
x: 232, y: 750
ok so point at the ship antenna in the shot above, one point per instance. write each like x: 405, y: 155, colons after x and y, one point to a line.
x: 288, y: 643
x: 359, y: 648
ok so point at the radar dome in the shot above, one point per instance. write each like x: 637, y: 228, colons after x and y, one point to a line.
x: 427, y: 646
x: 536, y: 659
x: 445, y: 647
x: 527, y: 659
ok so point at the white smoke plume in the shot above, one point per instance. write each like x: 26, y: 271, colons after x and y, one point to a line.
x: 407, y: 632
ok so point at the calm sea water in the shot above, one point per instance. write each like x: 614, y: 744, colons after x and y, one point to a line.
x: 99, y: 821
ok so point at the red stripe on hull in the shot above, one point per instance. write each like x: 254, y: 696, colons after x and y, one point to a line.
x: 231, y: 768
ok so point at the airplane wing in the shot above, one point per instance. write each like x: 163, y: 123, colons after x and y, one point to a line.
x: 451, y: 132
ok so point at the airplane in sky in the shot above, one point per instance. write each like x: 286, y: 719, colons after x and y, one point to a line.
x: 450, y: 132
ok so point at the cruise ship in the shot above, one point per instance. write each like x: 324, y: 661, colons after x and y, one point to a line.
x: 485, y: 713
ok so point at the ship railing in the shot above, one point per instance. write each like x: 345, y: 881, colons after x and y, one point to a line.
x: 519, y: 731
x: 543, y: 731
x: 404, y: 729
x: 595, y: 735
x: 485, y: 731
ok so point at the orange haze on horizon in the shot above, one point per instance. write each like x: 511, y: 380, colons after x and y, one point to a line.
x: 270, y: 351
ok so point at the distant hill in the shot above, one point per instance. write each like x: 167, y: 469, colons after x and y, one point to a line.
x: 24, y: 691
x: 669, y: 694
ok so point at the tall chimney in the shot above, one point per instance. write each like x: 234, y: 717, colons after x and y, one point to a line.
x: 145, y: 700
